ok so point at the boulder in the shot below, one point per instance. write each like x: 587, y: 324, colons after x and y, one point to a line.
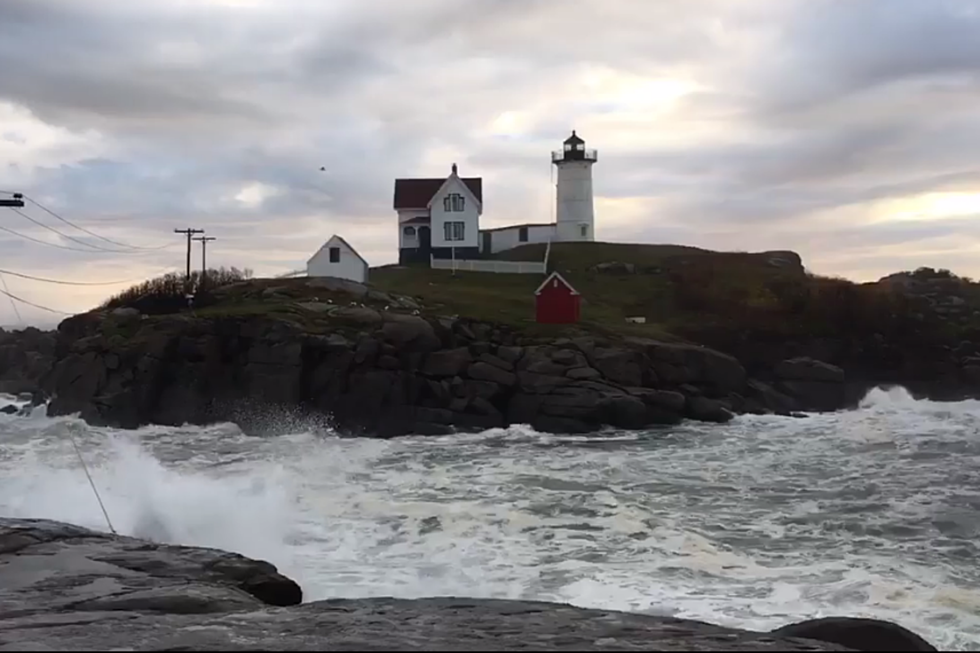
x: 814, y: 385
x: 447, y: 362
x: 857, y: 634
x: 497, y: 361
x: 707, y: 410
x: 624, y: 411
x: 135, y: 575
x: 808, y: 369
x: 580, y: 373
x: 483, y: 371
x: 409, y: 331
x: 624, y: 366
x: 334, y: 284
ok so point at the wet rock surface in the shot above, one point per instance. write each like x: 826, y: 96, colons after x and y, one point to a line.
x: 25, y: 357
x: 63, y: 587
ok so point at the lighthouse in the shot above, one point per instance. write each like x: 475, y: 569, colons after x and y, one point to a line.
x: 575, y: 219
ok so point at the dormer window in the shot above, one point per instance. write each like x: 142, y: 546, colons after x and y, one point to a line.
x: 454, y: 203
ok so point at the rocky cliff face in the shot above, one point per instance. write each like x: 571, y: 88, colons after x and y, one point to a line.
x: 381, y: 372
x: 26, y: 356
x: 66, y: 588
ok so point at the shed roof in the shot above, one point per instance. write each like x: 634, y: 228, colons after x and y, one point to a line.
x: 343, y: 242
x: 555, y: 275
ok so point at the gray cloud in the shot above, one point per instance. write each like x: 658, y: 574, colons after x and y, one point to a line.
x: 159, y: 114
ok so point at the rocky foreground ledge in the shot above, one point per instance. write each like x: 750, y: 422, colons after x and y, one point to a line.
x: 63, y: 587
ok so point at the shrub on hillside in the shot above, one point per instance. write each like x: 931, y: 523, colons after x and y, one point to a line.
x: 167, y: 294
x: 809, y: 304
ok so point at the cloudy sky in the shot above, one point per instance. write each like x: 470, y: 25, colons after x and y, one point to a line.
x: 847, y: 130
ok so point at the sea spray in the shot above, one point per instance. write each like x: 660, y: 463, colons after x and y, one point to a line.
x: 755, y: 523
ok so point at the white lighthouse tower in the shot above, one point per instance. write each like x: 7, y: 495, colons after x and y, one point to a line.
x: 575, y: 220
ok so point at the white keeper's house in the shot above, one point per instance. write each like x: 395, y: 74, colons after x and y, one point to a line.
x: 440, y: 218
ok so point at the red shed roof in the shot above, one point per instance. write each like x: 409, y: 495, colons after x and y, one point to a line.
x: 416, y: 193
x: 555, y: 275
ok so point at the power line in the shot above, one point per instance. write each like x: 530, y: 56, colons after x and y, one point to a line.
x: 24, y: 301
x: 13, y: 304
x: 90, y: 232
x: 71, y: 238
x: 71, y: 283
x: 44, y: 242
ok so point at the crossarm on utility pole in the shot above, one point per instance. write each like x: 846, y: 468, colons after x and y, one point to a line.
x: 189, y: 233
x: 17, y: 202
x: 204, y: 240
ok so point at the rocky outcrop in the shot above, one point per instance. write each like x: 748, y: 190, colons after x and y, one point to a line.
x: 371, y: 363
x: 815, y: 384
x: 380, y: 372
x: 50, y: 567
x: 63, y: 587
x: 857, y: 634
x: 25, y: 357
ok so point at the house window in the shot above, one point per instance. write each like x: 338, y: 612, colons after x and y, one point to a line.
x: 454, y: 230
x: 585, y: 230
x: 335, y: 255
x: 522, y: 234
x: 409, y: 232
x: 454, y: 203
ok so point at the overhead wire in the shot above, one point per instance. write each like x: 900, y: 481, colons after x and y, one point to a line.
x: 13, y: 304
x: 90, y: 232
x: 89, y: 248
x: 57, y: 245
x: 62, y: 282
x: 32, y: 304
x: 64, y: 235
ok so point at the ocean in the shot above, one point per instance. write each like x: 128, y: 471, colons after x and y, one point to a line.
x: 755, y: 523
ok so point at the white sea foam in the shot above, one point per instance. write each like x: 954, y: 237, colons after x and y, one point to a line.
x: 755, y: 523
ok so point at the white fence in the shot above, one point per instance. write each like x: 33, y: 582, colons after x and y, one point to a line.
x: 503, y: 267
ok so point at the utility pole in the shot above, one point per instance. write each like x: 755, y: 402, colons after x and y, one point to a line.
x: 204, y: 256
x: 16, y: 203
x: 189, y: 233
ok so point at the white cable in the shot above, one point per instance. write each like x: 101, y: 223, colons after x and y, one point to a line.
x: 98, y: 498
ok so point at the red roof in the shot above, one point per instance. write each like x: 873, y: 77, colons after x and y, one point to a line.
x: 416, y: 193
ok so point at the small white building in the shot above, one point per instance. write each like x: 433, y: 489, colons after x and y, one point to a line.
x: 337, y: 258
x: 504, y: 238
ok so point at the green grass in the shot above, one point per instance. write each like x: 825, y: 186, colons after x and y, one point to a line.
x: 608, y: 299
x: 683, y: 292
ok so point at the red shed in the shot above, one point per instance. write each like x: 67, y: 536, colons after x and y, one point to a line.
x: 556, y: 302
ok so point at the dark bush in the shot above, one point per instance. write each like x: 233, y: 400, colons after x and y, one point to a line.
x: 168, y: 294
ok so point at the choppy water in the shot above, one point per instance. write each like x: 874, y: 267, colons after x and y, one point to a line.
x: 755, y: 523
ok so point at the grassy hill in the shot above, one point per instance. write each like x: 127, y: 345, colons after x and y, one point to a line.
x: 683, y: 292
x: 616, y: 281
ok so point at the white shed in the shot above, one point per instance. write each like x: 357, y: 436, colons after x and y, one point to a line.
x: 337, y: 259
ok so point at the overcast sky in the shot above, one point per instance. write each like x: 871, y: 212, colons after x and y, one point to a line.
x: 846, y: 130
